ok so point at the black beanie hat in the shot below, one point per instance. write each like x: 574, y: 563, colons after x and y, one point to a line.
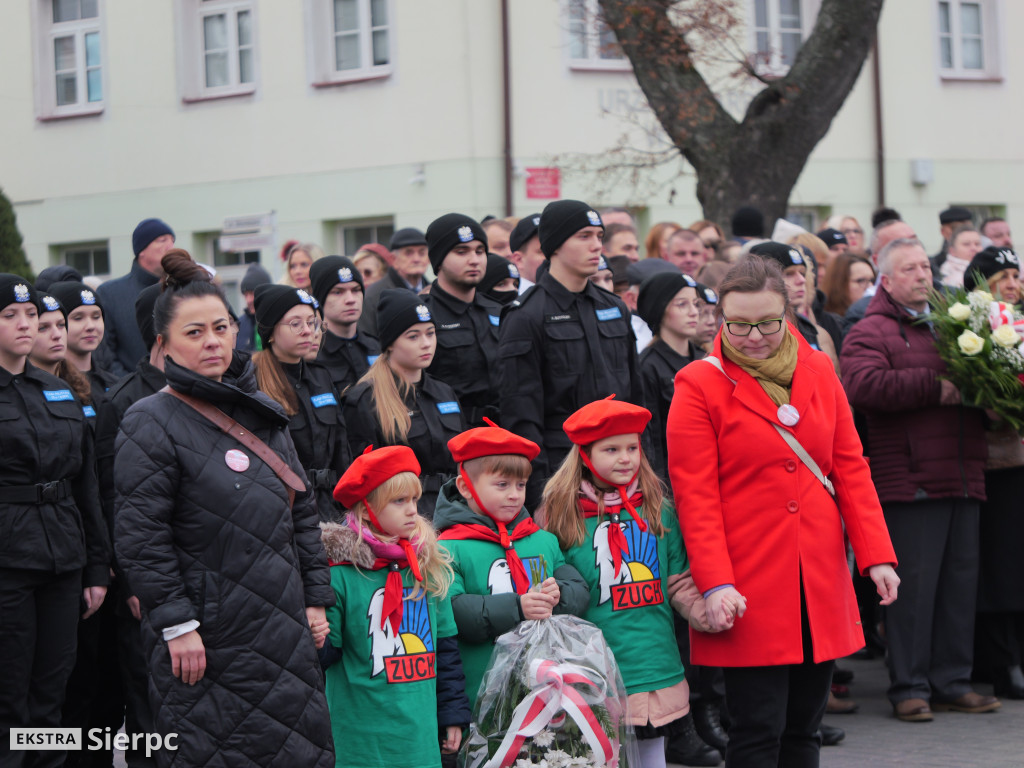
x: 144, y: 304
x: 748, y: 222
x: 146, y: 232
x: 707, y: 294
x: 784, y: 255
x: 47, y: 303
x: 832, y: 237
x: 329, y: 272
x: 272, y: 302
x: 524, y: 231
x: 988, y: 262
x: 561, y: 220
x: 58, y: 274
x: 498, y: 268
x: 445, y: 233
x: 15, y: 289
x: 255, y: 275
x: 655, y: 294
x: 399, y: 309
x: 73, y: 295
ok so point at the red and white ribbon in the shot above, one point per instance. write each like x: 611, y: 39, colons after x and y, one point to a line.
x: 553, y: 691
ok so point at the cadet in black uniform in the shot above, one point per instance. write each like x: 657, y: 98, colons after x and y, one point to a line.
x: 566, y: 344
x: 49, y: 353
x: 287, y: 324
x: 85, y: 333
x: 501, y: 280
x: 398, y: 403
x: 345, y: 351
x: 54, y: 551
x: 466, y: 321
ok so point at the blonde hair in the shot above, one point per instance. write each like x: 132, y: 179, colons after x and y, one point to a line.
x: 435, y: 562
x: 562, y: 499
x: 389, y: 393
x: 312, y: 250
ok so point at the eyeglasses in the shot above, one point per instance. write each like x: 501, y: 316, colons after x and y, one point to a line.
x: 764, y: 327
x: 297, y: 325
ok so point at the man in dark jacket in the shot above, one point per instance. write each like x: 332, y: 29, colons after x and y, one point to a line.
x: 255, y: 276
x: 566, y: 344
x: 409, y: 247
x: 927, y: 463
x: 466, y: 322
x: 122, y: 343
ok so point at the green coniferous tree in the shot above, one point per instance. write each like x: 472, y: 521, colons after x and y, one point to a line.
x: 12, y: 254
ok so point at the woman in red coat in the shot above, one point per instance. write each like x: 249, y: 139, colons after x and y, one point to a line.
x: 763, y: 534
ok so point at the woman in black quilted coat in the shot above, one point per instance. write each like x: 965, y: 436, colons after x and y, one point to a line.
x: 232, y: 582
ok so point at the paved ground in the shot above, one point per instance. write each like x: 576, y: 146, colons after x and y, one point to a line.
x: 875, y: 738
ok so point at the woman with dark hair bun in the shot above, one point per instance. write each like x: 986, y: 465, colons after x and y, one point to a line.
x: 230, y: 573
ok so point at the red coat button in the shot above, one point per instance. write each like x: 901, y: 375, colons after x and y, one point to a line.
x: 791, y: 466
x: 792, y: 506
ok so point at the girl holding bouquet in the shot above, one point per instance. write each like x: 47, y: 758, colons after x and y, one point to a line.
x: 606, y: 506
x: 392, y: 634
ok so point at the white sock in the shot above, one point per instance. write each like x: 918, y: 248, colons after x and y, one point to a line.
x: 652, y: 752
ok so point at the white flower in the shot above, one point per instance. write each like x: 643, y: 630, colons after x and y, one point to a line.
x: 1005, y: 336
x: 970, y: 343
x: 959, y: 311
x: 544, y: 739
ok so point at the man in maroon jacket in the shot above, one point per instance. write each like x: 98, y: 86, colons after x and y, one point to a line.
x: 927, y: 462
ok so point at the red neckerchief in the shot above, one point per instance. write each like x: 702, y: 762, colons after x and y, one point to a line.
x: 616, y: 539
x: 520, y: 581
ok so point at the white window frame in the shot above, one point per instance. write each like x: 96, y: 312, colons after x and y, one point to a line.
x: 46, y: 33
x: 773, y: 66
x: 593, y: 28
x: 92, y: 246
x: 192, y: 49
x: 990, y: 39
x: 377, y: 221
x: 321, y: 45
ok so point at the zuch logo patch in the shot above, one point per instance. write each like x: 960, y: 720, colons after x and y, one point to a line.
x: 408, y: 656
x: 638, y: 581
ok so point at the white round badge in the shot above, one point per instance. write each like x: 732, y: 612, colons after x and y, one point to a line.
x: 788, y: 415
x: 237, y: 460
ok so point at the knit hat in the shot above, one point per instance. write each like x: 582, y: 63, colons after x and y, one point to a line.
x: 656, y: 292
x: 403, y: 238
x: 331, y: 271
x: 73, y: 294
x: 58, y: 274
x: 448, y: 231
x: 619, y: 265
x: 989, y: 262
x: 144, y: 304
x: 524, y: 231
x: 639, y: 271
x: 784, y: 255
x: 47, y: 303
x: 748, y: 222
x: 833, y: 237
x: 371, y: 470
x: 499, y: 268
x: 15, y: 289
x: 255, y: 275
x: 954, y: 214
x: 561, y: 220
x: 146, y: 232
x: 605, y: 418
x: 491, y: 440
x: 399, y: 309
x: 272, y: 302
x: 707, y: 293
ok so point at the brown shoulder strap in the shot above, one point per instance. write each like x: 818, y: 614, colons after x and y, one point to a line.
x: 231, y: 427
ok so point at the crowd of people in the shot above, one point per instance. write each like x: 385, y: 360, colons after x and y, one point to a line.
x: 292, y: 534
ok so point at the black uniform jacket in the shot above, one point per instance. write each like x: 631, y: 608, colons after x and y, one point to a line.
x: 347, y: 359
x: 371, y: 298
x: 659, y: 364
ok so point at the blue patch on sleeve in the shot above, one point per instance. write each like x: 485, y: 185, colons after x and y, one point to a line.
x: 89, y: 411
x: 57, y: 395
x: 327, y: 398
x: 450, y: 407
x: 612, y: 313
x: 495, y: 320
x: 371, y: 359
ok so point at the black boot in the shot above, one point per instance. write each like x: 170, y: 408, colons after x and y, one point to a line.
x: 1008, y: 682
x: 687, y: 748
x: 830, y: 735
x: 707, y: 719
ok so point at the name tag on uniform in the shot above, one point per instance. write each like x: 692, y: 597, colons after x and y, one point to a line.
x: 450, y: 326
x: 371, y: 359
x: 495, y: 320
x: 562, y: 318
x: 450, y: 407
x: 327, y: 398
x: 89, y: 411
x: 612, y: 313
x: 57, y: 395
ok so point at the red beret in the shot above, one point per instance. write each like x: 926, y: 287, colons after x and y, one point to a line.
x: 490, y: 441
x: 373, y: 469
x: 605, y: 418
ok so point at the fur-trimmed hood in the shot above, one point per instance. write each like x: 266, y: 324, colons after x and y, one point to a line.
x: 345, y: 545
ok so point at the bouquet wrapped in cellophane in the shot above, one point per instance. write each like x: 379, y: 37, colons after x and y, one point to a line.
x: 552, y: 696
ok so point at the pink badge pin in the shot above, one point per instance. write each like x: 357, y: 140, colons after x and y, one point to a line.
x: 237, y: 460
x: 788, y: 415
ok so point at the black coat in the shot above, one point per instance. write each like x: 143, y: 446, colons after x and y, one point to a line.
x: 122, y: 345
x: 43, y: 439
x: 659, y: 364
x: 318, y: 431
x: 201, y: 541
x: 347, y: 359
x: 371, y: 298
x: 436, y: 418
x: 561, y: 350
x: 467, y: 351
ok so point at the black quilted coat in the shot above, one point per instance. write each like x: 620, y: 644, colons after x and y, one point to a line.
x: 202, y: 541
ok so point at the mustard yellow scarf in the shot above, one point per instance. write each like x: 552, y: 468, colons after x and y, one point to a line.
x: 775, y: 373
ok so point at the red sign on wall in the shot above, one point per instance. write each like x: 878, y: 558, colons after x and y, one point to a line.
x: 543, y: 184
